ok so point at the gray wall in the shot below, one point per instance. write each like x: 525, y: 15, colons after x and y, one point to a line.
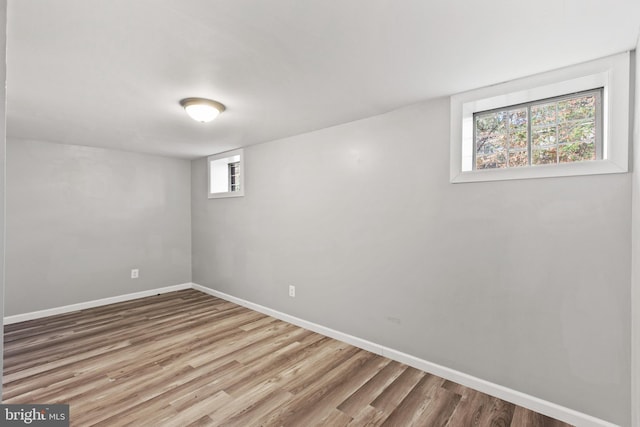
x: 521, y: 283
x: 635, y: 285
x: 79, y: 219
x: 3, y: 99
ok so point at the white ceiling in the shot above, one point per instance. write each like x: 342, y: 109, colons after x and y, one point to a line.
x: 110, y: 73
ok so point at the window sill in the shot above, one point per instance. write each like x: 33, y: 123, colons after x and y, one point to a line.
x: 596, y: 167
x: 225, y: 195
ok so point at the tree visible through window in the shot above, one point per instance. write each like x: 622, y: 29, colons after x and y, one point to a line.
x: 564, y: 129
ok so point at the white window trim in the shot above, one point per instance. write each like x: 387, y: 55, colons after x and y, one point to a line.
x: 611, y: 73
x: 225, y: 155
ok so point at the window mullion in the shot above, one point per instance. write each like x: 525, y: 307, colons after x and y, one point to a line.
x: 529, y: 136
x: 557, y: 136
x: 475, y: 142
x: 599, y: 136
x: 508, y: 137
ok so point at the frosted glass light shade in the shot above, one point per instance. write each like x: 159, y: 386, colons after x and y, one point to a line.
x: 202, y: 110
x: 202, y: 113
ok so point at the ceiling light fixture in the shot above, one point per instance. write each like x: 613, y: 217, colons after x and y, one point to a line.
x: 201, y: 109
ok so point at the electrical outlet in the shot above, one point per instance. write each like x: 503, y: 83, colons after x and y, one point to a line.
x: 135, y: 273
x: 292, y: 291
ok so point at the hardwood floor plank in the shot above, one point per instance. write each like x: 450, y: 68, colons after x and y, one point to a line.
x: 253, y: 414
x: 335, y: 418
x: 89, y: 356
x: 525, y: 418
x: 169, y: 385
x: 271, y: 365
x: 471, y: 410
x: 258, y: 323
x: 500, y: 413
x: 415, y: 403
x: 203, y: 421
x: 439, y: 410
x: 368, y: 416
x: 189, y: 359
x: 245, y: 403
x: 455, y: 387
x: 200, y: 388
x: 309, y: 371
x: 391, y: 397
x: 338, y: 390
x: 169, y: 415
x: 82, y: 343
x: 363, y: 396
x: 311, y: 397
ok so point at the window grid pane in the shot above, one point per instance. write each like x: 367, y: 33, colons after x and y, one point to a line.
x: 559, y: 130
x: 234, y: 176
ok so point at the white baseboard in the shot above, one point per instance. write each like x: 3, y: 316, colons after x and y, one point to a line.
x: 90, y: 304
x: 521, y: 399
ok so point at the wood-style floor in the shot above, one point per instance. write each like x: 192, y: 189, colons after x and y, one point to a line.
x: 190, y: 359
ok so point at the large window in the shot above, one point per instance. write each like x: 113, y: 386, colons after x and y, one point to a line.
x: 563, y: 129
x: 571, y: 121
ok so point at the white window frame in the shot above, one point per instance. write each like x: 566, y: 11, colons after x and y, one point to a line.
x: 223, y: 160
x: 610, y: 73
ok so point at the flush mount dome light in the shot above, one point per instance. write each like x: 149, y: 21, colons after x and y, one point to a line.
x: 201, y: 109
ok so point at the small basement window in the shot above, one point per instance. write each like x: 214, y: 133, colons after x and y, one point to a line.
x: 571, y: 121
x: 225, y: 174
